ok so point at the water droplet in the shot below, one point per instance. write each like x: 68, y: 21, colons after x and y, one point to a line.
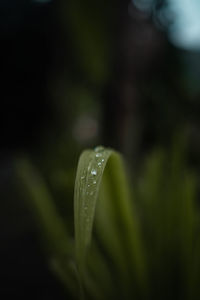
x: 103, y: 160
x: 94, y: 182
x: 98, y: 154
x: 99, y: 163
x: 88, y: 185
x: 94, y: 172
x: 99, y: 149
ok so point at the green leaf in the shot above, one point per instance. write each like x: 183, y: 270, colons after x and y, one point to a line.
x: 52, y: 229
x: 88, y: 179
x: 118, y: 228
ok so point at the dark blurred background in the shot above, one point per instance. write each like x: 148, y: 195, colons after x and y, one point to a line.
x: 75, y: 74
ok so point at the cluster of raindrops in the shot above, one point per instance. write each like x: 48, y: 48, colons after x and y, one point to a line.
x: 99, y: 156
x: 91, y: 178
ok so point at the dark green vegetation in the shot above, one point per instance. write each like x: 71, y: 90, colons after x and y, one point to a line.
x: 145, y: 242
x: 82, y: 73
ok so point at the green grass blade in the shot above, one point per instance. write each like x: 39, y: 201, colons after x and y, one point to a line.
x: 88, y: 179
x: 52, y: 229
x: 122, y: 231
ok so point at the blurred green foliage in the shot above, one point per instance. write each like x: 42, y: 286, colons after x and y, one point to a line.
x: 110, y: 76
x: 145, y: 240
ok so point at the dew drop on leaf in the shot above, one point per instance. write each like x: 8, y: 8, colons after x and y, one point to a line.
x: 94, y: 172
x: 99, y: 149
